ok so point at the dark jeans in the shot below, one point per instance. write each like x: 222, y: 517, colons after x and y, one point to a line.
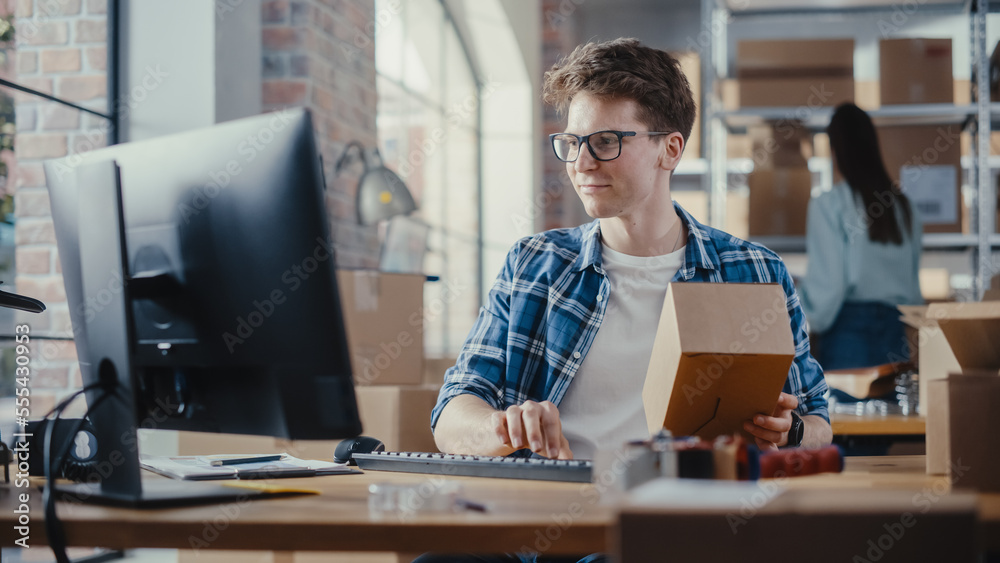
x: 519, y: 558
x: 864, y: 335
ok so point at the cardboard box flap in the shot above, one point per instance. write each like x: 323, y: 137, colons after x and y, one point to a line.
x: 721, y: 354
x: 731, y: 318
x: 972, y: 330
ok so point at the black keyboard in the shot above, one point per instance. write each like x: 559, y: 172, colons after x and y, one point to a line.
x: 571, y: 470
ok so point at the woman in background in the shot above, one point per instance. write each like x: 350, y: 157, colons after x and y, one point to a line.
x: 863, y: 241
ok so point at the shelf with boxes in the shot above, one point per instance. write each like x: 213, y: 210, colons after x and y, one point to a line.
x: 782, y: 92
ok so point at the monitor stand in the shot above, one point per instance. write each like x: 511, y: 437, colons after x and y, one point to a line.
x: 110, y: 334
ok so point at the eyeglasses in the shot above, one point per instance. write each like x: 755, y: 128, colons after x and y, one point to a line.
x: 603, y: 145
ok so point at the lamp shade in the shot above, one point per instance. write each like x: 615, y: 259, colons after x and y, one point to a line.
x: 381, y: 195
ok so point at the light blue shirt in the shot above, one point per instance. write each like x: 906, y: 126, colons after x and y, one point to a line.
x: 846, y: 266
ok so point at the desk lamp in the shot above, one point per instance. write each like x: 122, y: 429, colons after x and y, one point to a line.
x: 381, y: 192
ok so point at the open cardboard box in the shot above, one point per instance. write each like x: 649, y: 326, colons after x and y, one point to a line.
x: 721, y: 355
x: 963, y: 408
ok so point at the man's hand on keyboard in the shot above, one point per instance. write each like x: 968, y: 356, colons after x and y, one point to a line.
x: 535, y: 426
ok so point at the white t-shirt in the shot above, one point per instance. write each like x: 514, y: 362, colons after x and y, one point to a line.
x: 603, y: 406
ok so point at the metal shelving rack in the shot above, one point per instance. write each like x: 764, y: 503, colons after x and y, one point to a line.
x: 978, y: 118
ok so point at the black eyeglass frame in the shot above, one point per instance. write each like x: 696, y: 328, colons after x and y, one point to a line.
x: 585, y: 139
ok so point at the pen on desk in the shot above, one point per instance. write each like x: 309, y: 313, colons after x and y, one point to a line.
x: 470, y: 505
x: 241, y: 460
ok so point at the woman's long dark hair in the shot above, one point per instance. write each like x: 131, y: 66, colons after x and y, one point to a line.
x: 854, y: 144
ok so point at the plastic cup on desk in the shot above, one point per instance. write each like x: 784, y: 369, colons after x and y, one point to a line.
x: 407, y: 500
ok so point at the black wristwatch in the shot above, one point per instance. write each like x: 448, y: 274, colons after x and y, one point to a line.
x: 796, y: 431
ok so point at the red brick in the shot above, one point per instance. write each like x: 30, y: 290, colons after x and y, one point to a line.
x: 50, y: 378
x: 30, y: 175
x: 97, y: 6
x: 91, y: 31
x: 47, y: 289
x: 274, y: 11
x: 80, y: 88
x: 97, y: 58
x: 43, y: 85
x: 59, y: 350
x: 56, y: 118
x: 34, y: 231
x: 284, y: 92
x: 32, y: 202
x: 282, y: 38
x: 33, y: 260
x: 40, y: 145
x: 59, y: 8
x: 61, y: 60
x: 30, y: 32
x: 27, y: 62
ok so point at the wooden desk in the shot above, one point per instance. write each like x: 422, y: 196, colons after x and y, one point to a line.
x: 562, y: 517
x: 557, y: 518
x: 870, y: 425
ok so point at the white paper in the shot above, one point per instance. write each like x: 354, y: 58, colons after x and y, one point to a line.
x: 200, y: 468
x: 694, y: 494
x: 932, y: 191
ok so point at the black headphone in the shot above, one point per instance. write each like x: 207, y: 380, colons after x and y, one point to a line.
x: 81, y: 457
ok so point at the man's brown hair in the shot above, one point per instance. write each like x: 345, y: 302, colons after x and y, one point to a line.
x: 627, y: 69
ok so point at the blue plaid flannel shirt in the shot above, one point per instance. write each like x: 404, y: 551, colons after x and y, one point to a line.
x: 547, y: 304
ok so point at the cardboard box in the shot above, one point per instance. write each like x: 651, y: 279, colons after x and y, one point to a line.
x: 993, y: 293
x: 383, y: 314
x: 691, y: 67
x: 973, y: 444
x: 916, y: 71
x: 811, y: 72
x: 935, y: 358
x: 779, y: 199
x: 399, y: 415
x: 721, y: 355
x: 963, y: 405
x: 926, y: 162
x: 937, y: 442
x: 793, y: 92
x: 434, y: 369
x: 780, y: 145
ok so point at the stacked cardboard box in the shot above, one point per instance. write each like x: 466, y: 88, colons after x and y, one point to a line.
x: 926, y: 162
x: 811, y: 72
x: 916, y: 71
x: 963, y: 406
x: 781, y: 183
x: 691, y: 67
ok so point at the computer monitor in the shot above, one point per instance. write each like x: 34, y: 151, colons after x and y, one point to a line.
x: 200, y: 278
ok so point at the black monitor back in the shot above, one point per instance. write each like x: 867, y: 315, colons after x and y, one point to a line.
x: 236, y: 317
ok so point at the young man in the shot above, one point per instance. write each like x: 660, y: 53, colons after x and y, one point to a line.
x: 557, y: 358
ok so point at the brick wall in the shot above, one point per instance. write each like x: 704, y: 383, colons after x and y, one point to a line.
x: 562, y: 207
x: 61, y: 50
x: 321, y: 54
x: 316, y: 53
